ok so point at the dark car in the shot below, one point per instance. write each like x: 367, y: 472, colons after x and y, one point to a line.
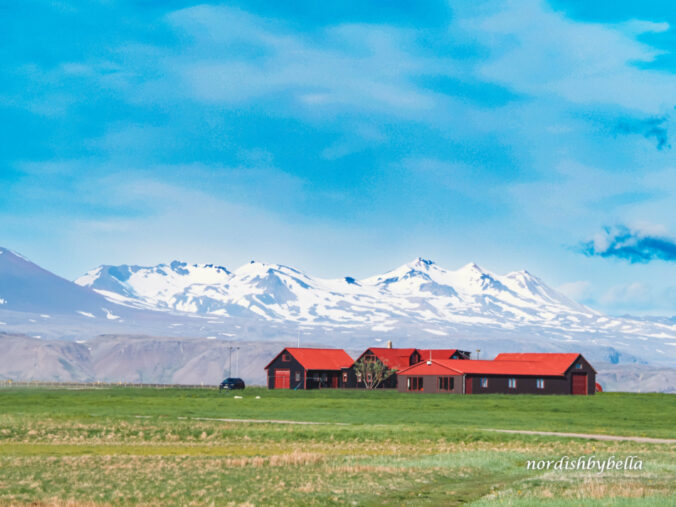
x: 232, y: 383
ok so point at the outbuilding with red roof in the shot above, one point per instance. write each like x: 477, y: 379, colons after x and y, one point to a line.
x: 307, y: 368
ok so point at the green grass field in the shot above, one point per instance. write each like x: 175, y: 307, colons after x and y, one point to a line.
x: 158, y: 446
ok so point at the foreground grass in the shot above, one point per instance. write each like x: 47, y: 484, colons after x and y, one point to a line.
x: 650, y: 415
x: 131, y: 446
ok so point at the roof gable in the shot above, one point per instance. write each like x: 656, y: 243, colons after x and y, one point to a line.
x: 398, y: 359
x: 430, y: 368
x: 427, y: 354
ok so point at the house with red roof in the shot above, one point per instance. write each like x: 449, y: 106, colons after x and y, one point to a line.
x: 520, y: 373
x: 397, y: 359
x: 307, y: 368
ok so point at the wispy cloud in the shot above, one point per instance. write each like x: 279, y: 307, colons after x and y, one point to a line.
x: 596, y: 64
x: 237, y: 57
x: 633, y: 245
x: 580, y: 290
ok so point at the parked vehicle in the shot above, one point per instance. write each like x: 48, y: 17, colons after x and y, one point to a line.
x: 232, y: 383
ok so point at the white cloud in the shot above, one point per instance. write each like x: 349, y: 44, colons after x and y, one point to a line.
x: 578, y: 291
x: 538, y: 51
x: 632, y: 295
x: 237, y: 56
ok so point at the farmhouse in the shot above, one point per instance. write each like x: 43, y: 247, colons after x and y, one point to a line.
x: 307, y: 368
x: 394, y: 359
x: 521, y: 373
x: 397, y: 359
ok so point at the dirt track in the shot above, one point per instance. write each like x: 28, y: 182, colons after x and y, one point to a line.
x: 590, y: 436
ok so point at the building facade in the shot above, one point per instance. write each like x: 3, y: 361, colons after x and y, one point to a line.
x: 307, y: 368
x: 506, y: 374
x: 397, y: 359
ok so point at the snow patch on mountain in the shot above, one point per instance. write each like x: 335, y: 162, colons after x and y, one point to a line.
x: 419, y: 291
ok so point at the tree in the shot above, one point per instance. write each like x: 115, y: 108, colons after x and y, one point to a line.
x: 371, y: 371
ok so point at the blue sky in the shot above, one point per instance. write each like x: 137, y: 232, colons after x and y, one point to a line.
x: 346, y: 139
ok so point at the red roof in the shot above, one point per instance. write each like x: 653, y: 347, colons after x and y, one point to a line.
x: 436, y: 353
x: 555, y: 360
x: 397, y: 359
x: 424, y: 368
x: 546, y: 366
x: 318, y: 359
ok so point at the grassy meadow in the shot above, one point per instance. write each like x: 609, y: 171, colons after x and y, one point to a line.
x: 123, y: 446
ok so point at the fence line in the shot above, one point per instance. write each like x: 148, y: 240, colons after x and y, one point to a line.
x: 38, y: 383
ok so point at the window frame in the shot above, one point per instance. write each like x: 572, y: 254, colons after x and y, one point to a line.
x: 414, y: 383
x: 540, y: 383
x: 297, y: 376
x: 483, y: 382
x: 511, y: 383
x: 445, y: 383
x: 286, y: 357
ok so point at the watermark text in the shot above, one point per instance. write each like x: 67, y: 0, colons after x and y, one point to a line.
x: 591, y: 463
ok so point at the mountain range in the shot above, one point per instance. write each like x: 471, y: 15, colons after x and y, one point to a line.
x: 417, y: 304
x: 419, y: 291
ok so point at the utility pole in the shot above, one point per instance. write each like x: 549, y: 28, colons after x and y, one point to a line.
x: 230, y: 361
x: 478, y: 351
x: 237, y: 360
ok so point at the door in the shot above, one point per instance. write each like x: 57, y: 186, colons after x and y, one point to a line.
x: 334, y: 381
x: 579, y: 383
x: 468, y: 385
x: 282, y: 379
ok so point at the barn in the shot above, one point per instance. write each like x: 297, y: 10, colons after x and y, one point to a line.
x: 307, y: 368
x: 522, y: 373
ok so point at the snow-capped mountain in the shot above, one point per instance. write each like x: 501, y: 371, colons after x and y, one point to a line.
x: 415, y: 302
x: 420, y: 292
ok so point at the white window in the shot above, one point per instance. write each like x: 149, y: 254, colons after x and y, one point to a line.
x: 540, y: 383
x: 511, y: 383
x: 484, y: 382
x: 578, y: 366
x: 297, y: 376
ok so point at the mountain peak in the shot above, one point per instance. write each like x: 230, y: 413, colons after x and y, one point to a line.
x: 472, y: 267
x: 420, y: 262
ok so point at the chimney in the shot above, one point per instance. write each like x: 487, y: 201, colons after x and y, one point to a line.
x: 389, y: 344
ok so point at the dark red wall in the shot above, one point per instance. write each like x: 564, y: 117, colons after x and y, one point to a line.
x: 292, y: 365
x: 497, y: 384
